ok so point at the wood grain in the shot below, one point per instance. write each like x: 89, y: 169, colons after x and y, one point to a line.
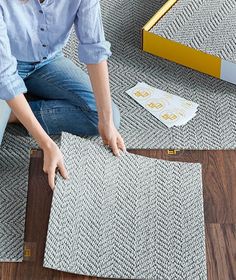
x: 219, y: 190
x: 221, y: 251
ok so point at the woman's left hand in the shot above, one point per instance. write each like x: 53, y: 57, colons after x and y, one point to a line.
x: 111, y: 137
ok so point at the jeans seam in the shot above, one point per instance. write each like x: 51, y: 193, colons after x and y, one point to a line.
x: 41, y: 114
x: 86, y: 116
x: 51, y: 111
x: 58, y: 87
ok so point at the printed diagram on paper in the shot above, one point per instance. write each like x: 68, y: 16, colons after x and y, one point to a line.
x: 170, y: 109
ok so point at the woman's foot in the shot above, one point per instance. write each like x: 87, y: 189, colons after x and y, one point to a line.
x: 13, y: 118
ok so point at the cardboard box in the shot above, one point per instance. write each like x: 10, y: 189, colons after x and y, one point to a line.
x: 182, y: 54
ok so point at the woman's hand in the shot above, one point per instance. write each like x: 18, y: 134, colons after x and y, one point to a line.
x: 99, y: 77
x: 111, y: 137
x: 53, y: 159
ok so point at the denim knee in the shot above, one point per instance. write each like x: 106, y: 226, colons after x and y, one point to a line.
x: 116, y: 115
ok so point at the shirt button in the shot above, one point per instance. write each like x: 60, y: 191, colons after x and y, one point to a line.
x: 41, y: 11
x: 44, y: 45
x: 42, y: 29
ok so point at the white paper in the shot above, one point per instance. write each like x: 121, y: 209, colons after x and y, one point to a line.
x: 170, y: 109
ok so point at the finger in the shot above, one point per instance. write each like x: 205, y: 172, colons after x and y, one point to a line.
x: 51, y: 177
x: 121, y: 144
x: 105, y: 141
x: 114, y: 147
x: 63, y: 170
x: 45, y: 169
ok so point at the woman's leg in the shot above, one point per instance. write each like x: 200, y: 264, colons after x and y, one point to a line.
x: 67, y: 101
x: 56, y: 116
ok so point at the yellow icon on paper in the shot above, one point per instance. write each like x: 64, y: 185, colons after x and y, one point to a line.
x: 140, y: 93
x: 154, y: 105
x: 171, y: 117
x: 168, y: 95
x: 187, y: 104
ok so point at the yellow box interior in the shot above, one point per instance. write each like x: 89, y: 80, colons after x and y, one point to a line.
x: 175, y: 51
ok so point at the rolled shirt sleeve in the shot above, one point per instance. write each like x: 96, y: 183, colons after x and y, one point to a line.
x: 93, y: 47
x: 11, y: 84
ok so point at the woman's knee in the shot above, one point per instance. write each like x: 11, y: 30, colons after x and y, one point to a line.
x: 116, y: 115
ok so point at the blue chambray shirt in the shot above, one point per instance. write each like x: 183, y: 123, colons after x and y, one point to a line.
x: 32, y: 31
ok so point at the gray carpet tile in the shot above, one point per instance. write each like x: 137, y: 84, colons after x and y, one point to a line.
x: 206, y: 25
x: 214, y: 127
x: 19, y: 141
x: 14, y: 165
x: 129, y: 217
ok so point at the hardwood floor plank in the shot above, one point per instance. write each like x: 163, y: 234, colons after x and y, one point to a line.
x: 221, y: 251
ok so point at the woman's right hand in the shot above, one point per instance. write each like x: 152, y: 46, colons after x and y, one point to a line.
x: 53, y: 160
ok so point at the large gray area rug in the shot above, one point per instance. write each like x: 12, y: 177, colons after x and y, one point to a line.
x: 129, y: 217
x: 214, y: 127
x: 14, y: 165
x: 206, y: 25
x: 14, y: 168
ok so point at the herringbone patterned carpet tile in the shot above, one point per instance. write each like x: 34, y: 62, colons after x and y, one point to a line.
x: 14, y: 167
x: 206, y: 25
x: 214, y: 127
x: 128, y: 217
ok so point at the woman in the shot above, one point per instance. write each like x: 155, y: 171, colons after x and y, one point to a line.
x: 60, y: 96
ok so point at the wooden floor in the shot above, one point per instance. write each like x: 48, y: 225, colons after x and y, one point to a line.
x: 219, y: 180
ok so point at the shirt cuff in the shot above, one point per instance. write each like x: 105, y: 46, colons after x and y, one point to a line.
x: 11, y: 86
x: 94, y: 53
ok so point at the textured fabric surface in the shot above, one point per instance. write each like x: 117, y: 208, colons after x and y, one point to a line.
x: 14, y: 165
x: 206, y: 25
x: 214, y: 127
x: 128, y: 217
x: 14, y: 168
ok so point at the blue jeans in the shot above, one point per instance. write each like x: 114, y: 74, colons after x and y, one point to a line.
x: 61, y: 96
